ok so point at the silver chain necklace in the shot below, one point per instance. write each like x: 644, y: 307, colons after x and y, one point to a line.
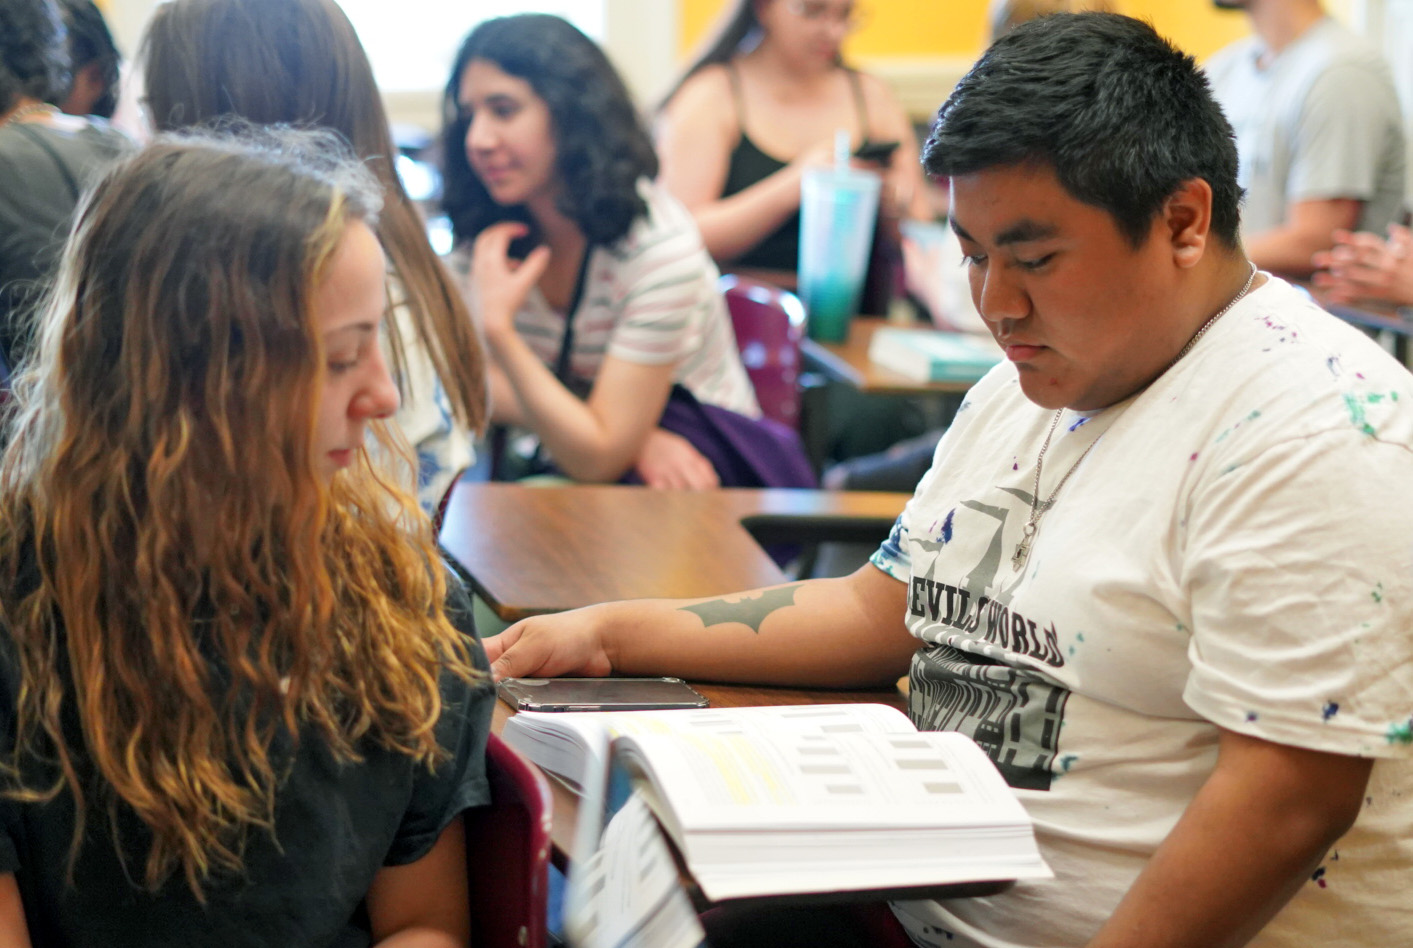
x: 1039, y: 507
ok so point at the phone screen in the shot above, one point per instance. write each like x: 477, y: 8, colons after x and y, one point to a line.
x: 876, y: 151
x: 598, y: 694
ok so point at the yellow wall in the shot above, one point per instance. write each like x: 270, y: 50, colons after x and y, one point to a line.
x: 1193, y: 25
x: 922, y: 28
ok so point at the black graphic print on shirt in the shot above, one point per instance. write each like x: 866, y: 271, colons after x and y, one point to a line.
x: 1014, y: 713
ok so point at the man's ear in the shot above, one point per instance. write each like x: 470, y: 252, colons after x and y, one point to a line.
x: 1187, y: 219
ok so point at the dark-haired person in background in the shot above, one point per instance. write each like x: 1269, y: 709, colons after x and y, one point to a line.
x: 543, y: 148
x: 94, y: 61
x: 46, y: 158
x: 1160, y: 568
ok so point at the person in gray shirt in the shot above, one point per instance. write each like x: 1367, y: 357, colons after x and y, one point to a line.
x: 1318, y: 131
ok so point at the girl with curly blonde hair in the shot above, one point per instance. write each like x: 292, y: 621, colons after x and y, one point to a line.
x: 238, y: 703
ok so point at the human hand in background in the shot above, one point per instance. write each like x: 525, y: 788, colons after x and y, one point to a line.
x: 670, y: 461
x: 498, y: 284
x: 1366, y: 266
x: 822, y: 155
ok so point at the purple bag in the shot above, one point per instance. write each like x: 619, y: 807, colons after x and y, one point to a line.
x: 746, y: 452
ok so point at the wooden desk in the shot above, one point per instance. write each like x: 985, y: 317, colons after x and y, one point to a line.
x: 566, y: 803
x: 533, y: 550
x: 848, y: 362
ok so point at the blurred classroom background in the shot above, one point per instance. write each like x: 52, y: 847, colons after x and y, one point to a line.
x: 920, y: 46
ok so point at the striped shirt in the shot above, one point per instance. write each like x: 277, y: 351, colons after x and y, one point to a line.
x: 650, y: 298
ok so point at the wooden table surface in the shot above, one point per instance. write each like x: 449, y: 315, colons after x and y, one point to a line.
x: 534, y: 550
x: 848, y: 362
x: 566, y: 803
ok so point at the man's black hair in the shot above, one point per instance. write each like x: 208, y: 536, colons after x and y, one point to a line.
x: 1121, y: 115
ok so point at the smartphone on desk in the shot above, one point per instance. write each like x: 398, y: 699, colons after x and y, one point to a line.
x: 599, y: 694
x: 880, y: 152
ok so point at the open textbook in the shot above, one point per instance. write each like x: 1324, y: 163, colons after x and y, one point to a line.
x: 802, y: 798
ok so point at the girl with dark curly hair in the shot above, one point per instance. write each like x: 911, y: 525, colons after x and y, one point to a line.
x: 588, y: 279
x: 241, y: 703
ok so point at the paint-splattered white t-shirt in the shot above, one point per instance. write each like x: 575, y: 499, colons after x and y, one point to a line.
x: 1236, y: 550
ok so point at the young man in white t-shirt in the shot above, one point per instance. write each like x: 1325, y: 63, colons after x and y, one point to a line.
x: 1162, y: 566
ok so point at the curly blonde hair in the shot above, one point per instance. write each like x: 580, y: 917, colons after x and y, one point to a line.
x: 175, y: 576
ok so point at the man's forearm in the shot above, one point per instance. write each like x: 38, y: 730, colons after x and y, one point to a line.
x: 846, y: 632
x: 830, y: 632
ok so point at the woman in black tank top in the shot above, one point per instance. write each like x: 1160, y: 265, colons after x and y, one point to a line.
x: 757, y: 108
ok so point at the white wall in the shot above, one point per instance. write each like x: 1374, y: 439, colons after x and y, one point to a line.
x: 126, y: 19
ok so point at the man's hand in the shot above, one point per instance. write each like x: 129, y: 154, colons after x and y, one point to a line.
x: 1366, y: 267
x: 567, y: 643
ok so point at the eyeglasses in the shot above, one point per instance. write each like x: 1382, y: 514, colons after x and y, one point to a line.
x: 848, y: 15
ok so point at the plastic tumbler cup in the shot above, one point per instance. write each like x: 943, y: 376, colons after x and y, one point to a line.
x: 838, y: 207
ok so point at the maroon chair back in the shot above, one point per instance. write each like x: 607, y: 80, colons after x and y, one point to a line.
x: 508, y: 853
x: 769, y: 324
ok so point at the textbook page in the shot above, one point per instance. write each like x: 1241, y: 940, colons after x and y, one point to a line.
x: 807, y: 813
x: 627, y: 893
x: 804, y: 781
x: 569, y: 743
